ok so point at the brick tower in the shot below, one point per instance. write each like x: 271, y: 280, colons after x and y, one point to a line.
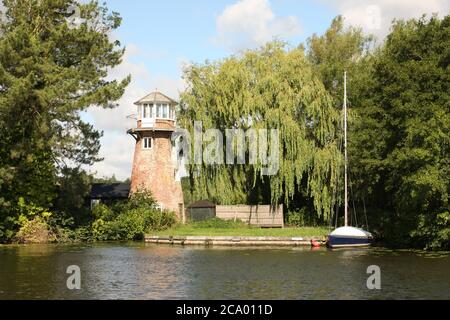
x: 154, y: 165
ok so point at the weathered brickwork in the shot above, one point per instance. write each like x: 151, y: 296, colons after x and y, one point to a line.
x: 153, y: 169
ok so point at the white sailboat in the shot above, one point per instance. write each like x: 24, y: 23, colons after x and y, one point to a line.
x: 348, y: 236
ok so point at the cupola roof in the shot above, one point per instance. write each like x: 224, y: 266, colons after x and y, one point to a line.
x: 155, y: 97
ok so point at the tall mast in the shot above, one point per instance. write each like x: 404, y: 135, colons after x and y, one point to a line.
x: 345, y: 149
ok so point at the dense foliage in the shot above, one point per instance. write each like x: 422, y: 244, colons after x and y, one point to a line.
x: 130, y: 220
x: 269, y: 88
x: 120, y: 221
x: 399, y: 119
x: 401, y: 139
x: 52, y: 67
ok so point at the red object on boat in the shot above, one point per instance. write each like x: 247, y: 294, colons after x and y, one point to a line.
x: 315, y: 244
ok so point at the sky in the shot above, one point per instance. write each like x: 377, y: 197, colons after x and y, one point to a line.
x: 162, y: 37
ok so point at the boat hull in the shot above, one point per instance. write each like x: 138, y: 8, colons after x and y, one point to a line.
x: 341, y: 242
x: 349, y: 237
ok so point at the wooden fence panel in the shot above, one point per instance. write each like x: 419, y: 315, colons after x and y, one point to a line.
x: 255, y: 215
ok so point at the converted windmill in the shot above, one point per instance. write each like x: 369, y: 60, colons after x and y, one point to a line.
x: 153, y: 166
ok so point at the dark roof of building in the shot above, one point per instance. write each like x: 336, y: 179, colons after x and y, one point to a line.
x: 110, y: 191
x: 202, y: 204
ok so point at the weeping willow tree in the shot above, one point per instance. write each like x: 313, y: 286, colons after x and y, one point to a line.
x: 268, y: 88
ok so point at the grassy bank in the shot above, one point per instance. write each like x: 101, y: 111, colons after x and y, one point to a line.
x: 229, y: 228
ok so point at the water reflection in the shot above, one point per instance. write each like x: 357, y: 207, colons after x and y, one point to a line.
x: 139, y: 271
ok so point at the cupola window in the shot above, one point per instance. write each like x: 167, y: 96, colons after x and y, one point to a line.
x: 156, y: 111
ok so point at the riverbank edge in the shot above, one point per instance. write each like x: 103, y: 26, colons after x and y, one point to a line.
x: 235, y: 241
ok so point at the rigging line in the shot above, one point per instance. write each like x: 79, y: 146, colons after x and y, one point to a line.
x: 333, y: 204
x: 330, y: 219
x: 353, y: 200
x: 365, y: 213
x: 336, y: 214
x: 336, y: 191
x: 338, y: 186
x: 337, y: 204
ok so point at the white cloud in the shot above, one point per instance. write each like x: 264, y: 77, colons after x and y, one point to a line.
x: 375, y: 17
x: 252, y: 23
x: 117, y: 148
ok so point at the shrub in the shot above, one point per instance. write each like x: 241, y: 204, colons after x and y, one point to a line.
x: 99, y: 230
x: 35, y: 231
x: 141, y: 199
x: 103, y: 212
x: 304, y: 217
x: 297, y: 218
x: 131, y: 219
x: 33, y: 222
x: 433, y: 230
x: 80, y: 234
x: 107, y: 231
x: 132, y: 224
x: 157, y: 220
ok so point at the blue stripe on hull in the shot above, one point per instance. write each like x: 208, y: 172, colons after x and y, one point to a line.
x: 335, y: 242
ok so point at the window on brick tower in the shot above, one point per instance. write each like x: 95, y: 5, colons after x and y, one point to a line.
x: 147, y: 143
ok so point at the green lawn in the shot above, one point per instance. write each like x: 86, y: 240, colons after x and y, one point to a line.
x: 224, y: 228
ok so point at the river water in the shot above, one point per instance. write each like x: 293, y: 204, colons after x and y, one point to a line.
x: 143, y: 271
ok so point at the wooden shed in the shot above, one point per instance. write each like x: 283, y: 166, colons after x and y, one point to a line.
x: 201, y: 210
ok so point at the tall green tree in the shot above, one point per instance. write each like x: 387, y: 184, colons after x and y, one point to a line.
x: 269, y: 88
x: 403, y: 133
x: 54, y: 60
x: 344, y: 49
x: 338, y: 50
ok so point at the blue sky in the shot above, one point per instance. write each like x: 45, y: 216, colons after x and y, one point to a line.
x: 172, y: 31
x: 163, y: 36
